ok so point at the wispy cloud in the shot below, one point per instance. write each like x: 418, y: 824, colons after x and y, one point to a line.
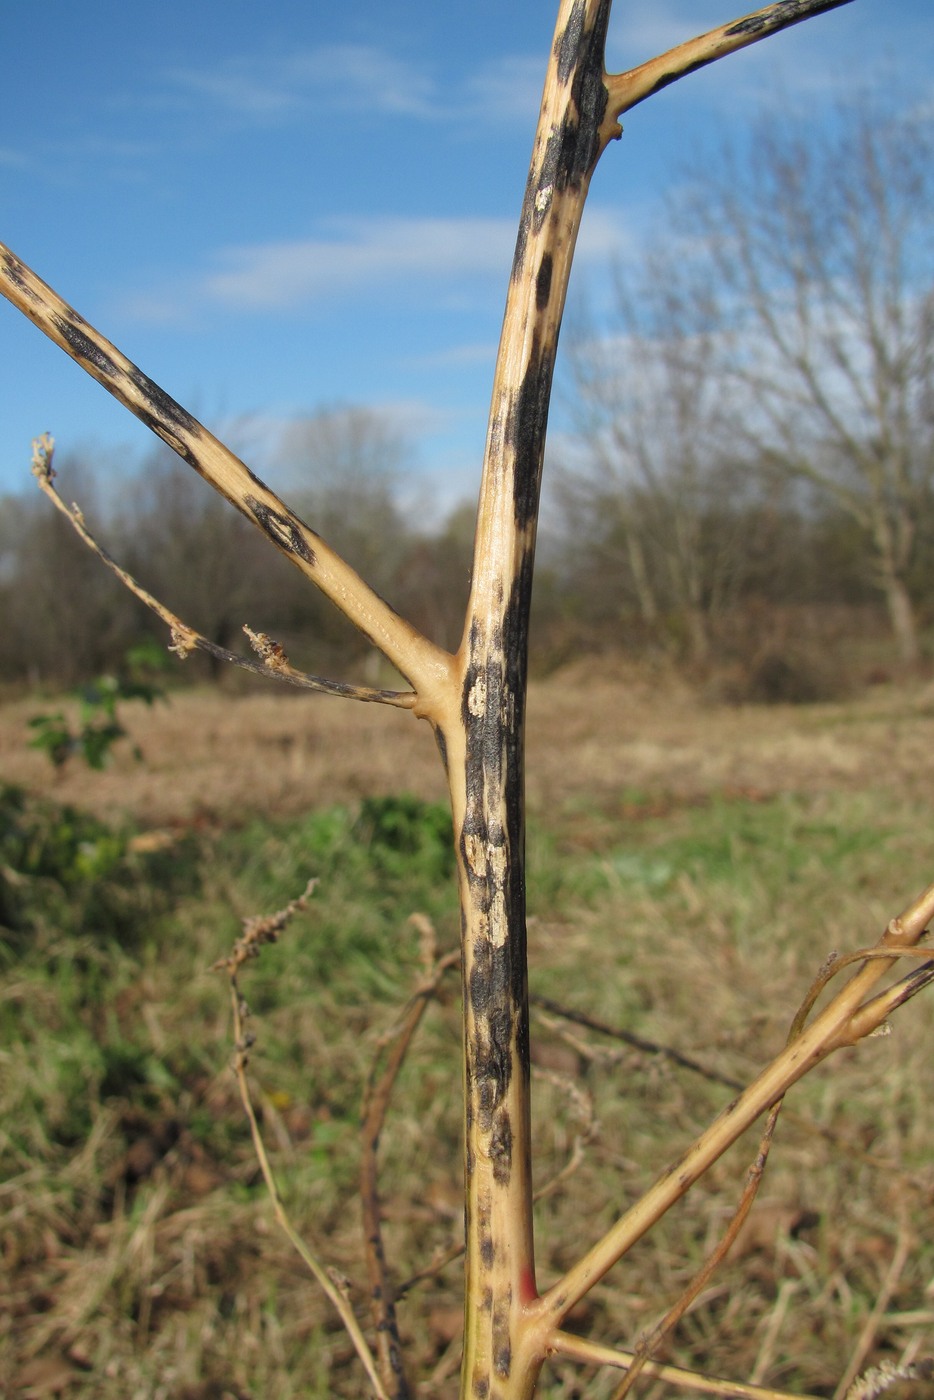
x: 272, y: 87
x: 418, y: 261
x: 358, y: 256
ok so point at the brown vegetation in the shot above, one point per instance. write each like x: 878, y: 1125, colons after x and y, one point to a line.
x: 219, y: 757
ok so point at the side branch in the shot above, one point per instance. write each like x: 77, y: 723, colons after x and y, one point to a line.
x: 425, y: 665
x: 594, y: 1354
x: 273, y: 661
x: 634, y: 86
x: 258, y: 931
x: 851, y: 1015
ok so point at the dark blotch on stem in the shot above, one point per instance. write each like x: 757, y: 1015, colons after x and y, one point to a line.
x: 525, y: 429
x: 16, y: 273
x: 163, y: 406
x: 567, y: 46
x: 543, y: 282
x: 782, y: 14
x: 280, y: 529
x: 502, y: 1344
x: 84, y: 348
x: 501, y: 1149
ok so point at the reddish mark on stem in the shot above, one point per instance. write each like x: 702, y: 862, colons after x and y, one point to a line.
x: 527, y: 1290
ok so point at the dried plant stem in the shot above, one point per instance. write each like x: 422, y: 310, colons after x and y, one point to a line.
x: 700, y: 1280
x: 185, y: 639
x: 475, y: 702
x: 333, y: 1290
x: 840, y: 1140
x: 867, y: 1335
x: 832, y: 1028
x: 256, y: 933
x: 420, y: 661
x: 636, y: 1042
x: 375, y: 1106
x: 592, y: 1353
x: 634, y: 86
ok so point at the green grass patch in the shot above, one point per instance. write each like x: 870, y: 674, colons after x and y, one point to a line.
x: 694, y: 925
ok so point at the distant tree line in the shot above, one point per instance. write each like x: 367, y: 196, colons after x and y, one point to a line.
x: 750, y: 475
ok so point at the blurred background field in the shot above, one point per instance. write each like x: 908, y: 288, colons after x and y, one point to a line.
x: 692, y: 863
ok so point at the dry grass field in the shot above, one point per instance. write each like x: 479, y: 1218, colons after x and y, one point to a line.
x: 691, y: 866
x: 592, y: 737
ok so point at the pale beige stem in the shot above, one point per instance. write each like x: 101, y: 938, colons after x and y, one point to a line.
x: 868, y: 1333
x: 634, y: 86
x: 831, y: 1029
x: 273, y: 662
x: 425, y: 665
x: 592, y: 1353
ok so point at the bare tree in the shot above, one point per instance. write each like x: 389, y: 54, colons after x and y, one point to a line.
x: 59, y: 626
x: 474, y: 702
x: 655, y: 460
x: 347, y: 464
x: 816, y: 267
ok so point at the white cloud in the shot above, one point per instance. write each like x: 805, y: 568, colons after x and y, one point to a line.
x: 360, y: 255
x: 277, y: 87
x: 342, y: 77
x: 418, y: 261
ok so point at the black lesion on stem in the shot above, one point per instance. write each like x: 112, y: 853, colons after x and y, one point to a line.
x: 573, y: 148
x: 164, y: 408
x: 490, y: 990
x: 84, y: 348
x: 783, y: 14
x: 15, y: 272
x: 526, y: 426
x: 543, y: 282
x: 280, y: 529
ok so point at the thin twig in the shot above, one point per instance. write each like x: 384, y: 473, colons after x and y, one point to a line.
x: 637, y: 1042
x: 649, y: 1344
x: 184, y: 639
x: 895, y: 996
x: 592, y: 1353
x: 629, y: 88
x: 870, y: 1328
x: 831, y: 1029
x: 256, y: 932
x: 375, y: 1105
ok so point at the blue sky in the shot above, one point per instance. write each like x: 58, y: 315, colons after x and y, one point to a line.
x: 277, y: 207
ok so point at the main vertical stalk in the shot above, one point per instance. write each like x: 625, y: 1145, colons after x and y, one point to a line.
x: 482, y: 737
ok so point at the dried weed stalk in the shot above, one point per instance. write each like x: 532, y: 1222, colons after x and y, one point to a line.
x: 474, y: 701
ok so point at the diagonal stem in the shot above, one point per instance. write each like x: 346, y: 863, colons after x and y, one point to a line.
x: 595, y: 1354
x: 830, y: 1030
x: 425, y: 665
x: 273, y: 663
x: 634, y: 86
